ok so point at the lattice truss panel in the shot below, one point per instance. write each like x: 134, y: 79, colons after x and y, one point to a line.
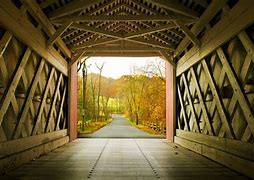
x: 32, y: 92
x: 215, y: 96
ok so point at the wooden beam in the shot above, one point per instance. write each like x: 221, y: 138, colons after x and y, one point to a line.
x: 168, y: 58
x: 236, y: 155
x: 202, y: 22
x: 53, y: 105
x: 28, y: 101
x: 4, y: 42
x: 61, y: 109
x: 17, y: 23
x: 202, y: 104
x: 73, y: 7
x: 78, y: 57
x: 18, y: 145
x: 219, y: 104
x: 16, y: 160
x: 95, y: 43
x: 96, y: 30
x: 183, y: 109
x: 192, y: 108
x: 11, y: 88
x: 123, y: 49
x: 242, y: 99
x: 43, y: 102
x: 43, y: 20
x: 123, y: 54
x: 175, y: 6
x: 135, y: 40
x: 149, y: 31
x: 116, y: 18
x: 151, y: 42
x: 239, y: 18
x: 239, y: 148
x: 188, y: 33
x: 59, y: 32
x: 47, y: 3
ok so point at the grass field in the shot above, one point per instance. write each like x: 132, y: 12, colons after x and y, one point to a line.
x: 92, y: 126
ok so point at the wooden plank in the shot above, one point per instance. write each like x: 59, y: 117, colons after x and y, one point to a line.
x: 188, y: 33
x: 124, y: 48
x: 13, y: 20
x: 94, y: 43
x: 242, y: 99
x: 149, y: 31
x: 78, y: 58
x: 60, y: 109
x: 59, y: 32
x: 239, y: 17
x: 239, y: 148
x: 247, y: 43
x: 18, y: 159
x: 120, y: 54
x: 73, y: 7
x: 14, y: 146
x: 117, y: 18
x: 168, y: 58
x: 96, y: 30
x: 193, y: 112
x: 42, y: 19
x: 47, y: 3
x: 236, y: 163
x: 28, y: 101
x: 175, y: 6
x: 53, y: 108
x: 43, y: 102
x: 202, y: 103
x: 4, y: 42
x: 201, y: 23
x: 10, y: 89
x: 183, y: 109
x: 151, y: 42
x: 230, y: 153
x: 219, y: 104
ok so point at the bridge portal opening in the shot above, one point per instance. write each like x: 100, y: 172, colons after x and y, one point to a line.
x: 121, y: 97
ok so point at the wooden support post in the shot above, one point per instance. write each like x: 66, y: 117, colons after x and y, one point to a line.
x: 72, y: 101
x: 170, y: 101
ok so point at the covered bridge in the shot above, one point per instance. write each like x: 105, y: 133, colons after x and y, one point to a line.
x: 208, y: 46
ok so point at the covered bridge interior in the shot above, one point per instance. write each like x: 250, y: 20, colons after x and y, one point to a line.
x: 208, y: 46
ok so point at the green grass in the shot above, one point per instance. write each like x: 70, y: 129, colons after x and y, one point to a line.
x: 92, y: 126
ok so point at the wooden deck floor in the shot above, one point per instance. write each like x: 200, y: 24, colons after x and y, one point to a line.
x: 110, y: 159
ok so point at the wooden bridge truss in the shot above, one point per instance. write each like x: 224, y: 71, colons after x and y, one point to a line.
x: 208, y: 48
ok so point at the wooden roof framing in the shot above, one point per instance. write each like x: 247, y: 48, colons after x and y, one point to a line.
x: 121, y: 26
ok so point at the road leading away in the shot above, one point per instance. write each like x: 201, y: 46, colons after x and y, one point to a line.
x: 120, y: 128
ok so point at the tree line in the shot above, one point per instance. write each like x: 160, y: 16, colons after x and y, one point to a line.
x: 140, y: 95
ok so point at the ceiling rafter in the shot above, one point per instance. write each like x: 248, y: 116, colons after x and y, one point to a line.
x: 99, y: 24
x: 175, y: 6
x: 157, y: 23
x: 188, y: 33
x: 59, y: 32
x: 160, y: 25
x: 86, y: 18
x: 73, y: 7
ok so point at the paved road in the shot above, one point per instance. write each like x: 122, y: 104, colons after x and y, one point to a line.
x: 120, y: 128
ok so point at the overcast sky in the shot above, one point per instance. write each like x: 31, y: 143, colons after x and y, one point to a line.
x: 115, y: 67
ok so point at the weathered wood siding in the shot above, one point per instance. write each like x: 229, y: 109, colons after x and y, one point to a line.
x: 33, y: 89
x: 215, y: 97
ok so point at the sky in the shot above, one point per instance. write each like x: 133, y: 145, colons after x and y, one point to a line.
x: 115, y: 67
